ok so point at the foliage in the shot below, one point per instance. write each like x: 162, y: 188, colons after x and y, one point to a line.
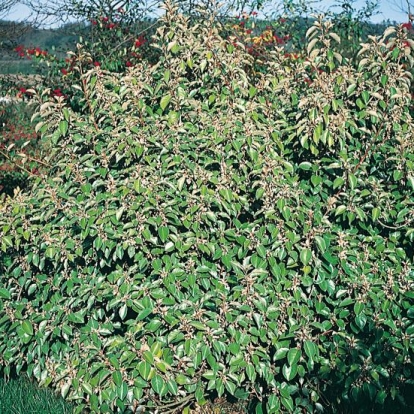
x: 199, y: 235
x: 20, y: 148
x: 111, y: 45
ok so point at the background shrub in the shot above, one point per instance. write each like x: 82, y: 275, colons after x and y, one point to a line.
x: 199, y: 235
x: 20, y: 147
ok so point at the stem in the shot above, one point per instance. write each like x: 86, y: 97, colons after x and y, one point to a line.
x: 134, y: 35
x: 174, y: 406
x: 17, y: 165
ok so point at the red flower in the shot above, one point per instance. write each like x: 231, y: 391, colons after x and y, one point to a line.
x: 282, y: 20
x: 94, y: 22
x: 248, y: 31
x: 139, y: 42
x: 57, y: 92
x: 128, y: 64
x: 407, y: 26
x: 110, y: 26
x: 254, y: 13
x: 242, y: 23
x: 97, y: 64
x: 64, y: 71
x: 23, y: 90
x: 104, y: 19
x: 278, y: 40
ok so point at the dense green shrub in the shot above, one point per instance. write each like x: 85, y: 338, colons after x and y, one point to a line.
x: 199, y: 235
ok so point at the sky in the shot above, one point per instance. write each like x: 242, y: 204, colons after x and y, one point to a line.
x: 389, y: 10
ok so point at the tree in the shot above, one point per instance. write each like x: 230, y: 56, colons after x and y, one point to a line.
x: 10, y: 30
x: 54, y: 11
x: 6, y: 6
x: 406, y: 7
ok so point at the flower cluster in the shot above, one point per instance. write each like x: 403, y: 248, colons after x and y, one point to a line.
x: 256, y: 40
x: 29, y: 52
x: 408, y: 26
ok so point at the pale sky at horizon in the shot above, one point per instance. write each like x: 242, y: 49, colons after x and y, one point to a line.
x: 389, y: 10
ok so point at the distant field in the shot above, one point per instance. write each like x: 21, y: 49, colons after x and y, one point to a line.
x: 16, y: 66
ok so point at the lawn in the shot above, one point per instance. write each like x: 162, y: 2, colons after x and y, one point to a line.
x: 21, y: 396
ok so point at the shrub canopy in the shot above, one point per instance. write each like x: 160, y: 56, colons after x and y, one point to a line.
x: 203, y: 231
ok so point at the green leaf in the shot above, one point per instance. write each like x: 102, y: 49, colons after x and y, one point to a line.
x: 183, y: 380
x: 66, y: 115
x: 158, y: 384
x: 172, y: 387
x: 117, y: 377
x: 352, y: 181
x: 290, y: 371
x: 351, y: 89
x: 320, y: 242
x: 305, y: 256
x: 252, y: 91
x: 338, y: 182
x: 4, y: 294
x: 8, y: 240
x: 230, y: 387
x: 165, y: 100
x: 273, y: 404
x: 27, y: 327
x: 375, y: 213
x: 281, y: 353
x: 361, y: 320
x: 305, y: 165
x: 358, y: 307
x: 310, y: 349
x: 63, y: 127
x: 123, y: 310
x: 163, y: 232
x: 122, y: 391
x: 65, y: 388
x: 144, y: 369
x: 293, y: 356
x: 288, y: 403
x: 251, y: 372
x: 87, y: 388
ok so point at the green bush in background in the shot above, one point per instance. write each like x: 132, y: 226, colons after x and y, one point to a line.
x: 199, y: 235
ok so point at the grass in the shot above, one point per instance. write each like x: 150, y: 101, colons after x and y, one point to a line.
x: 21, y: 396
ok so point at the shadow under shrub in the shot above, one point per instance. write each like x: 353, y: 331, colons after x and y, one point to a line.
x: 199, y: 235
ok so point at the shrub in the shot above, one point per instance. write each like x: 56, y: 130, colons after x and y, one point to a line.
x: 113, y: 44
x: 20, y: 147
x: 201, y: 236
